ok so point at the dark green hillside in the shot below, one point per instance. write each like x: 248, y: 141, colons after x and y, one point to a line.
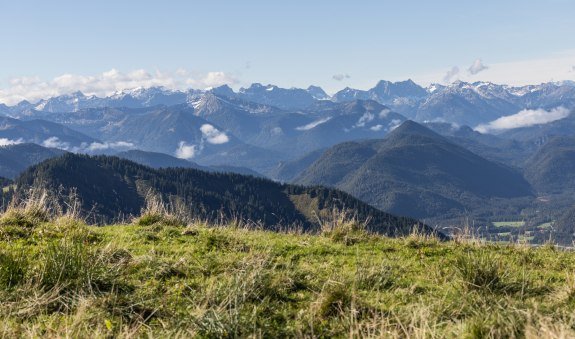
x: 552, y: 168
x: 416, y: 172
x: 16, y: 158
x: 110, y: 188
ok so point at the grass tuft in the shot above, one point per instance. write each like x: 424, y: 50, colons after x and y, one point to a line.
x: 481, y: 271
x: 342, y: 228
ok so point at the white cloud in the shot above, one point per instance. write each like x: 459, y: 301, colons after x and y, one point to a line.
x: 384, y: 113
x: 452, y: 73
x: 477, y: 67
x: 364, y: 119
x: 277, y: 131
x: 376, y: 128
x: 107, y: 83
x: 524, y: 118
x: 120, y: 145
x: 213, y: 135
x: 8, y: 142
x: 54, y: 142
x: 340, y: 77
x: 211, y: 79
x: 313, y: 124
x: 185, y: 151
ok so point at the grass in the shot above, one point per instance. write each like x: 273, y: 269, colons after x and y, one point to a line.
x: 508, y: 223
x: 62, y: 278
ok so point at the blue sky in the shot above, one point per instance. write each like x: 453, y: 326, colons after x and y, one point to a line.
x: 288, y: 43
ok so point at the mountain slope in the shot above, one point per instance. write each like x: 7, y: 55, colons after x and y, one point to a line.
x: 416, y: 172
x: 110, y: 187
x: 43, y: 132
x: 14, y: 159
x: 552, y: 168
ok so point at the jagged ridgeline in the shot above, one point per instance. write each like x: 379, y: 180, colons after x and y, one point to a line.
x: 111, y: 188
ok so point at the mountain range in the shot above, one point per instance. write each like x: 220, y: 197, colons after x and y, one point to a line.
x: 476, y: 150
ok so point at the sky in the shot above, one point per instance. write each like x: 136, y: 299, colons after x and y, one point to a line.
x: 53, y: 47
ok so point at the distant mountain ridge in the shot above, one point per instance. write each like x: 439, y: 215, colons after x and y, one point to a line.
x: 459, y: 102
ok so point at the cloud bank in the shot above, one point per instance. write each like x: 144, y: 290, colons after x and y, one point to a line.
x: 524, y: 118
x: 107, y: 83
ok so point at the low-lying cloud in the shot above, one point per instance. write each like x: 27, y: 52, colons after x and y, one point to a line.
x: 524, y: 118
x: 313, y: 124
x: 8, y: 142
x: 116, y: 146
x: 364, y: 119
x: 107, y: 83
x: 477, y: 67
x: 54, y: 142
x: 94, y: 147
x: 212, y: 135
x: 186, y: 151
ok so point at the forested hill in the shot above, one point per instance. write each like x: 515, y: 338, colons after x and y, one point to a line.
x: 415, y: 171
x: 112, y: 188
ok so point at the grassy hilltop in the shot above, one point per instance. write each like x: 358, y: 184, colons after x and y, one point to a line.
x: 159, y: 276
